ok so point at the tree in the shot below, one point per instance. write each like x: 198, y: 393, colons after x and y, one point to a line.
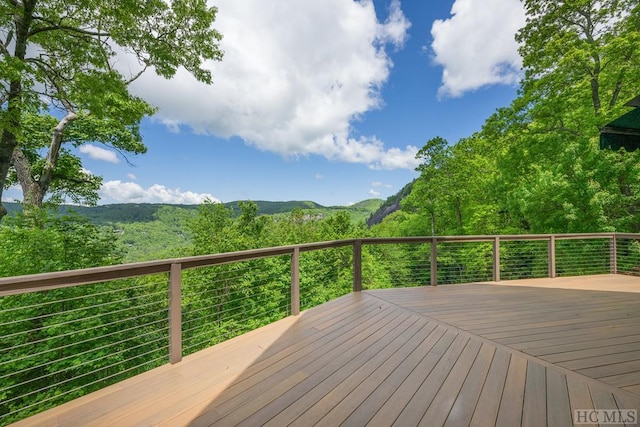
x: 582, y: 62
x: 589, y: 46
x: 426, y: 193
x: 60, y: 62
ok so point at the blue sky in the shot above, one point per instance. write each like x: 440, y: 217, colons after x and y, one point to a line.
x: 322, y: 100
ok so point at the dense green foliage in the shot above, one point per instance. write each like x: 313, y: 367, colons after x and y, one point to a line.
x: 536, y: 165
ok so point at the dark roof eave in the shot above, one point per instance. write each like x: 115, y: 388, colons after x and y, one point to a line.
x: 620, y: 131
x: 635, y: 102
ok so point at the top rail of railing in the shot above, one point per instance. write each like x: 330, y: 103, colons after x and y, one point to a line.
x: 62, y: 279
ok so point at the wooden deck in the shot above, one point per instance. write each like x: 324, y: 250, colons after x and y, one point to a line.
x: 476, y: 354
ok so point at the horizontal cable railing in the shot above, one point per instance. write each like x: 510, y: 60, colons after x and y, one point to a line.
x: 60, y: 344
x: 524, y: 259
x: 66, y: 334
x: 325, y: 276
x: 627, y: 254
x: 224, y: 301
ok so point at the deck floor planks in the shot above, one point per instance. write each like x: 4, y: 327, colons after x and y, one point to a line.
x: 466, y: 402
x: 486, y: 411
x: 579, y: 394
x: 390, y: 408
x: 563, y: 321
x: 443, y: 400
x: 603, y: 336
x: 422, y: 398
x: 558, y: 406
x: 383, y: 388
x: 347, y: 374
x: 262, y: 369
x: 215, y: 385
x: 349, y: 395
x: 258, y: 394
x: 534, y: 411
x: 519, y: 335
x: 620, y: 349
x: 511, y: 403
x: 395, y: 356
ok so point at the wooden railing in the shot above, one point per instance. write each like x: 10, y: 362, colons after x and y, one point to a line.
x: 618, y: 247
x: 63, y: 279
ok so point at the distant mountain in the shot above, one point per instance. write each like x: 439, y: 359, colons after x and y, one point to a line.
x: 146, y: 212
x: 390, y: 205
x: 272, y: 208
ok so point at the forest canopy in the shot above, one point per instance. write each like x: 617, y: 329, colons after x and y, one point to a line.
x: 535, y: 166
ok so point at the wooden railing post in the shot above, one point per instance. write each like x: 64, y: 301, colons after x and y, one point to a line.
x: 175, y: 313
x: 295, y: 281
x: 496, y: 259
x: 434, y: 262
x: 614, y: 254
x: 357, y: 266
x: 552, y: 256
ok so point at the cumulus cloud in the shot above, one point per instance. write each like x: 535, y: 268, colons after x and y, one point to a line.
x: 295, y: 75
x: 374, y: 193
x: 130, y: 192
x: 98, y: 153
x: 476, y: 46
x: 395, y: 27
x: 131, y: 176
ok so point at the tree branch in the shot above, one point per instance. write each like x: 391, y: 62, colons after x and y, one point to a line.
x: 618, y: 87
x: 5, y: 45
x: 54, y: 148
x: 73, y: 179
x: 55, y: 27
x: 137, y: 75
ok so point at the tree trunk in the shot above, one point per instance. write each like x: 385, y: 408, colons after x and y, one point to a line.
x: 31, y: 190
x: 54, y: 151
x: 6, y: 150
x: 34, y: 189
x: 433, y: 223
x: 14, y: 98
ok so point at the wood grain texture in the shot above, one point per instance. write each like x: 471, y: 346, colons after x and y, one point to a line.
x: 476, y: 354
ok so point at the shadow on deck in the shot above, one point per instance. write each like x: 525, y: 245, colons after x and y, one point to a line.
x: 524, y: 353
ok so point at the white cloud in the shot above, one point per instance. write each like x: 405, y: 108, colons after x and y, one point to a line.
x: 98, y: 153
x: 130, y: 192
x: 131, y: 176
x: 476, y: 46
x: 380, y: 184
x: 295, y: 75
x: 396, y: 26
x: 318, y: 176
x: 374, y: 193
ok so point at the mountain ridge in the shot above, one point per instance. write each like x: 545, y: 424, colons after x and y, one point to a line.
x: 145, y: 212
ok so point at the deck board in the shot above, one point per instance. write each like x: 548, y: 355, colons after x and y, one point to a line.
x: 476, y: 354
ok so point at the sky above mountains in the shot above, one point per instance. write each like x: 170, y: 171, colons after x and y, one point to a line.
x: 323, y: 100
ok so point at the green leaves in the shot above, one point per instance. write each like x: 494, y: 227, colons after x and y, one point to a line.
x: 65, y: 63
x: 536, y: 166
